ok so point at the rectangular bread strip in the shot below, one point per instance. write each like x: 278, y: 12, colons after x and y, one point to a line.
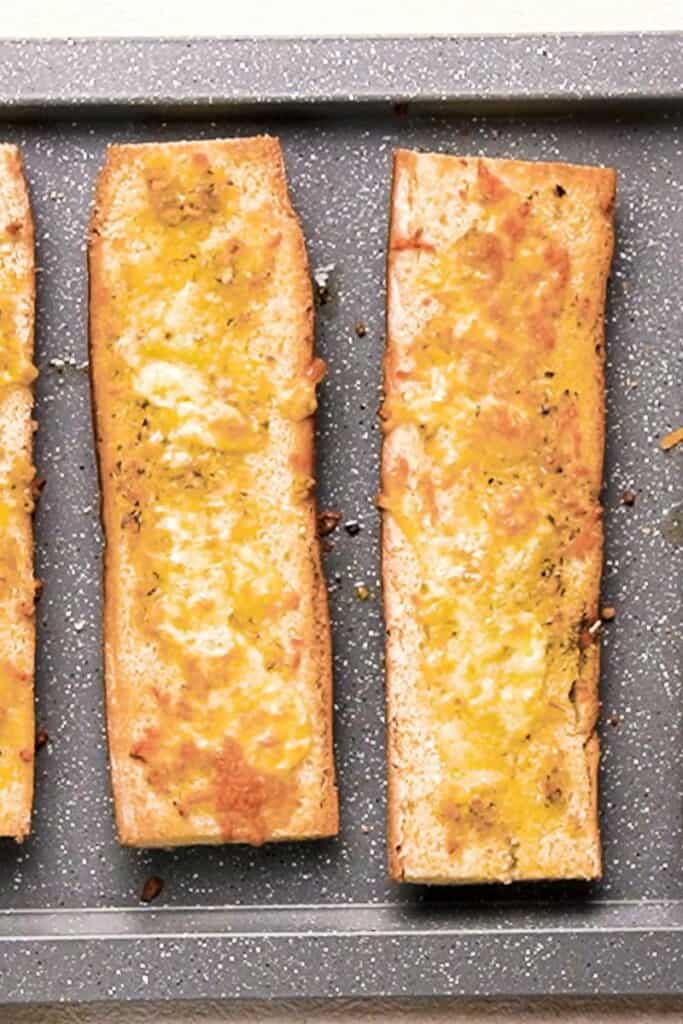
x: 492, y: 535
x: 217, y: 640
x: 17, y: 584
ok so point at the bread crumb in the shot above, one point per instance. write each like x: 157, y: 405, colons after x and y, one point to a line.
x: 42, y: 739
x: 321, y: 278
x: 151, y: 889
x: 328, y: 521
x: 671, y: 439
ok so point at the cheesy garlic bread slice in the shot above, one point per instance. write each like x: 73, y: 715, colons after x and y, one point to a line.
x: 17, y: 584
x: 217, y: 644
x: 492, y: 535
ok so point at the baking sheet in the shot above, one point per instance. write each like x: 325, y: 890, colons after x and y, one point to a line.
x: 321, y: 918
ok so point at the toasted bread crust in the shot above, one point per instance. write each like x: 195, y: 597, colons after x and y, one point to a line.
x: 17, y: 619
x: 466, y: 220
x: 259, y: 792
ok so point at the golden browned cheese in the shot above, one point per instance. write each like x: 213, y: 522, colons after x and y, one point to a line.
x: 218, y: 660
x: 491, y: 475
x: 17, y: 588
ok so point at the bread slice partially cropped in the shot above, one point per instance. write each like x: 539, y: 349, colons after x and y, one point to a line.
x: 492, y: 535
x: 217, y: 642
x: 17, y: 585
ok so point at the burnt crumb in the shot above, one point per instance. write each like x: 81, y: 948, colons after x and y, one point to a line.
x: 151, y: 889
x: 629, y: 497
x: 328, y: 521
x: 38, y: 586
x: 360, y: 328
x: 614, y: 721
x: 608, y: 613
x: 401, y: 108
x: 327, y: 546
x: 559, y: 191
x: 549, y: 374
x: 42, y: 739
x: 352, y: 527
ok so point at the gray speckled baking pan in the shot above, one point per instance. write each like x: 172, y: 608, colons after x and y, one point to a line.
x: 321, y: 918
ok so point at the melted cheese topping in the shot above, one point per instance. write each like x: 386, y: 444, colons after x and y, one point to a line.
x: 197, y: 393
x: 499, y: 514
x: 16, y: 504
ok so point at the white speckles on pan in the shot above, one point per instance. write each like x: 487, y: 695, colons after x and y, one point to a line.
x: 339, y: 168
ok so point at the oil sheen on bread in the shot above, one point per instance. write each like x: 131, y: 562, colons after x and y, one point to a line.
x: 17, y: 584
x: 217, y: 642
x: 492, y: 534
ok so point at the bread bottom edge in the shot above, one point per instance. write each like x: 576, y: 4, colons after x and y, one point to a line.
x: 571, y: 876
x: 142, y: 843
